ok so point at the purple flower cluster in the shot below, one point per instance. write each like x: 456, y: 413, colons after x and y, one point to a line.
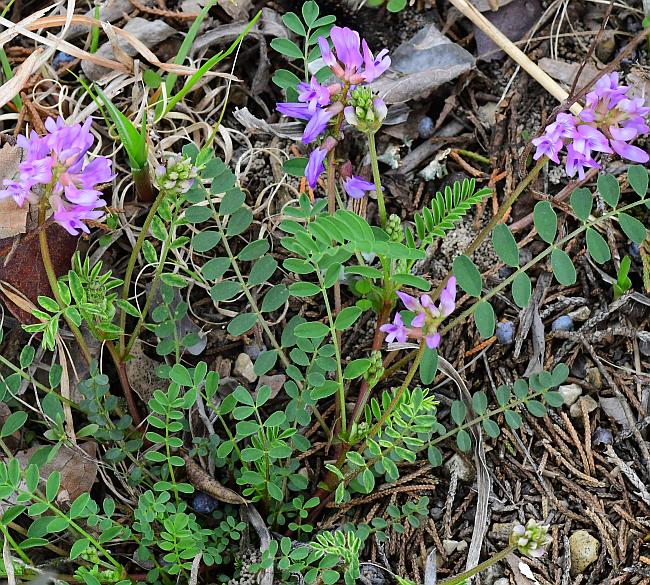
x: 353, y: 64
x: 56, y: 166
x: 608, y: 124
x: 427, y: 317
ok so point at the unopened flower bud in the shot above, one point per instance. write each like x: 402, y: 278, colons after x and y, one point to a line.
x: 177, y: 175
x: 376, y: 369
x: 366, y: 111
x: 394, y: 229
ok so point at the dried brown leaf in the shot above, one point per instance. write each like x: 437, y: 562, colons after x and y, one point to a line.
x: 21, y: 265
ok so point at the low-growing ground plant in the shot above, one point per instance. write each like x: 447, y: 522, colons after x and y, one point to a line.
x: 174, y: 522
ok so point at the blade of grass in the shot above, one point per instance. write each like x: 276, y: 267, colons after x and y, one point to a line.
x: 6, y: 66
x: 209, y: 64
x: 135, y: 142
x: 184, y: 50
x: 94, y: 33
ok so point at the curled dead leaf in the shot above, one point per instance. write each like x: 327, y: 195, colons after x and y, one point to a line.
x: 202, y: 481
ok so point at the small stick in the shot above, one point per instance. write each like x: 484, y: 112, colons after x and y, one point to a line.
x: 543, y: 78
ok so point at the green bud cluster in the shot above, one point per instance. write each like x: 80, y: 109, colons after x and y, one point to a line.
x: 365, y: 113
x: 376, y: 369
x: 177, y: 175
x: 394, y: 229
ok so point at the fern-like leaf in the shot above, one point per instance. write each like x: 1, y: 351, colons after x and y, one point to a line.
x: 448, y: 208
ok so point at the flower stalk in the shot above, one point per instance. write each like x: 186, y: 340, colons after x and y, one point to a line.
x: 374, y: 163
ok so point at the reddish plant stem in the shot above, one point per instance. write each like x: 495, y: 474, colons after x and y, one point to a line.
x: 364, y: 389
x: 120, y: 366
x: 323, y: 493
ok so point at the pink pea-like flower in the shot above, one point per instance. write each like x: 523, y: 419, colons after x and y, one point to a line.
x: 609, y: 123
x: 56, y: 166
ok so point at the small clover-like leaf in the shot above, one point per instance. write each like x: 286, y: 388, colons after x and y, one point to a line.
x: 637, y: 177
x: 609, y: 189
x: 632, y: 227
x: 545, y: 220
x: 563, y: 267
x: 468, y: 275
x: 597, y: 246
x: 521, y: 289
x: 485, y: 319
x: 581, y: 202
x: 505, y: 245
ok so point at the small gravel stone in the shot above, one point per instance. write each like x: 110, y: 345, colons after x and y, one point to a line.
x: 563, y: 323
x: 570, y: 393
x: 583, y: 548
x: 451, y: 546
x: 244, y: 367
x: 505, y: 332
x: 576, y: 408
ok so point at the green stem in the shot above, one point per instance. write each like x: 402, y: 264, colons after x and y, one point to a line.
x: 131, y: 265
x: 150, y: 296
x: 478, y: 157
x: 25, y: 376
x: 407, y: 380
x: 372, y: 147
x: 253, y: 303
x: 498, y: 216
x: 337, y: 352
x: 462, y: 577
x: 80, y: 530
x: 15, y: 546
x: 52, y: 279
x: 94, y: 32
